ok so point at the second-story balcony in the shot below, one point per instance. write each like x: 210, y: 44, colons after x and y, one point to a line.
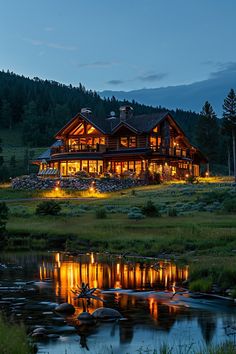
x: 172, y: 151
x: 78, y: 148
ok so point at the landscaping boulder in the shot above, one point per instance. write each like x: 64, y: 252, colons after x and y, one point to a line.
x: 106, y: 313
x: 65, y: 308
x: 85, y: 317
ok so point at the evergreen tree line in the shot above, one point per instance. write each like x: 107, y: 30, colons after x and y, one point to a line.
x: 39, y: 108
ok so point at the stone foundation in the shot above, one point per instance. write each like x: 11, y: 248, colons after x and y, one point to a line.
x: 102, y: 184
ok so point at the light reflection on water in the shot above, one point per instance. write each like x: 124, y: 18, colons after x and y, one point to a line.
x: 68, y: 272
x: 152, y: 316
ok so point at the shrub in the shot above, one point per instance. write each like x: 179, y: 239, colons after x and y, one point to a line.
x: 82, y: 174
x: 172, y: 212
x: 19, y: 344
x: 150, y: 209
x: 101, y: 213
x: 157, y: 178
x: 20, y: 211
x: 49, y: 207
x: 214, y: 196
x: 229, y: 205
x: 3, y: 217
x: 203, y: 285
x: 135, y: 213
x: 135, y: 216
x: 191, y: 179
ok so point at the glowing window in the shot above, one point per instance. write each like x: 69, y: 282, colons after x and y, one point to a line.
x: 79, y: 130
x: 91, y: 129
x: 132, y: 142
x: 124, y: 142
x: 153, y: 141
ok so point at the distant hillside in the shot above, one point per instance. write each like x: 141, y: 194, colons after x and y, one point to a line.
x: 186, y: 97
x: 41, y: 107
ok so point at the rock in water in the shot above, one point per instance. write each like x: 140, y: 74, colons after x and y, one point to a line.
x: 85, y: 317
x: 65, y: 308
x: 106, y: 313
x: 40, y: 330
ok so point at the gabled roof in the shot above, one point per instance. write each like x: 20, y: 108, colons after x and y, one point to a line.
x: 88, y: 117
x: 139, y: 124
x: 47, y: 153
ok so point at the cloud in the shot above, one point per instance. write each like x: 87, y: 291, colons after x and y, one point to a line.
x: 208, y: 62
x: 36, y: 42
x: 224, y: 69
x: 97, y: 64
x: 115, y: 82
x: 152, y: 77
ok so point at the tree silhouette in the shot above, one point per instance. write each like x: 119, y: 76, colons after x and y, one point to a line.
x: 229, y: 115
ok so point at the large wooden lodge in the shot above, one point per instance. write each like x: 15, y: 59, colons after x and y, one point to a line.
x: 127, y: 145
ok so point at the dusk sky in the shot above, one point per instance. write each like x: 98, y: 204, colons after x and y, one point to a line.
x: 119, y: 45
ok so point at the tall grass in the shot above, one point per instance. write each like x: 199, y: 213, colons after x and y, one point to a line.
x: 13, y: 339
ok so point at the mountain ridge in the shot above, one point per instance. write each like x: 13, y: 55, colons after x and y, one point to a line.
x: 189, y: 97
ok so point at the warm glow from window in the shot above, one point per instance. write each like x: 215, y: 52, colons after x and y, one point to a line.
x: 124, y: 142
x: 130, y: 142
x: 91, y: 129
x: 79, y: 130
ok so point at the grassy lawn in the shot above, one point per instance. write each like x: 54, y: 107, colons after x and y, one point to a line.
x: 203, y: 234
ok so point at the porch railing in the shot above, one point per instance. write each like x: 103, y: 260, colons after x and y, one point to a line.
x: 78, y: 148
x: 169, y: 151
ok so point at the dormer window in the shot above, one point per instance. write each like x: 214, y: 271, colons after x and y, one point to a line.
x: 128, y: 142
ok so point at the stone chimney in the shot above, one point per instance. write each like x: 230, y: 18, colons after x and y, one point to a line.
x: 85, y: 110
x: 125, y: 112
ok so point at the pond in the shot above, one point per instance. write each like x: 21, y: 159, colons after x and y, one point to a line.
x: 154, y: 307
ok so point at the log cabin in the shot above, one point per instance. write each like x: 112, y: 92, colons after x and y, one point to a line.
x: 127, y: 145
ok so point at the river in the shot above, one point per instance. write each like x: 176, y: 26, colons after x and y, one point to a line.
x: 155, y: 309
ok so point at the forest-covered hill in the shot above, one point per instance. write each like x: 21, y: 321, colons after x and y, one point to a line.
x: 33, y: 110
x: 41, y: 107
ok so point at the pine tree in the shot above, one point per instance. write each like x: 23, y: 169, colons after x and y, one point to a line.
x: 13, y: 161
x: 6, y: 114
x: 229, y: 115
x: 207, y: 132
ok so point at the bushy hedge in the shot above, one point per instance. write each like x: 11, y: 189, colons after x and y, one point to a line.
x: 48, y: 207
x: 135, y: 213
x: 150, y: 209
x: 101, y: 213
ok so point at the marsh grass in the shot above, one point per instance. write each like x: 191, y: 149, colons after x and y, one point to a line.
x: 205, y: 239
x: 13, y: 339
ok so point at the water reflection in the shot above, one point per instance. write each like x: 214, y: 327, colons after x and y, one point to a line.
x: 151, y: 320
x: 68, y: 272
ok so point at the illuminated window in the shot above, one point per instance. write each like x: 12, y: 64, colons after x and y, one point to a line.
x: 84, y: 165
x: 100, y: 167
x: 92, y: 166
x: 124, y: 142
x: 125, y: 166
x: 91, y: 129
x: 131, y: 166
x: 89, y: 141
x: 79, y: 130
x: 155, y: 130
x: 138, y: 167
x: 130, y: 141
x: 63, y: 169
x: 153, y: 141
